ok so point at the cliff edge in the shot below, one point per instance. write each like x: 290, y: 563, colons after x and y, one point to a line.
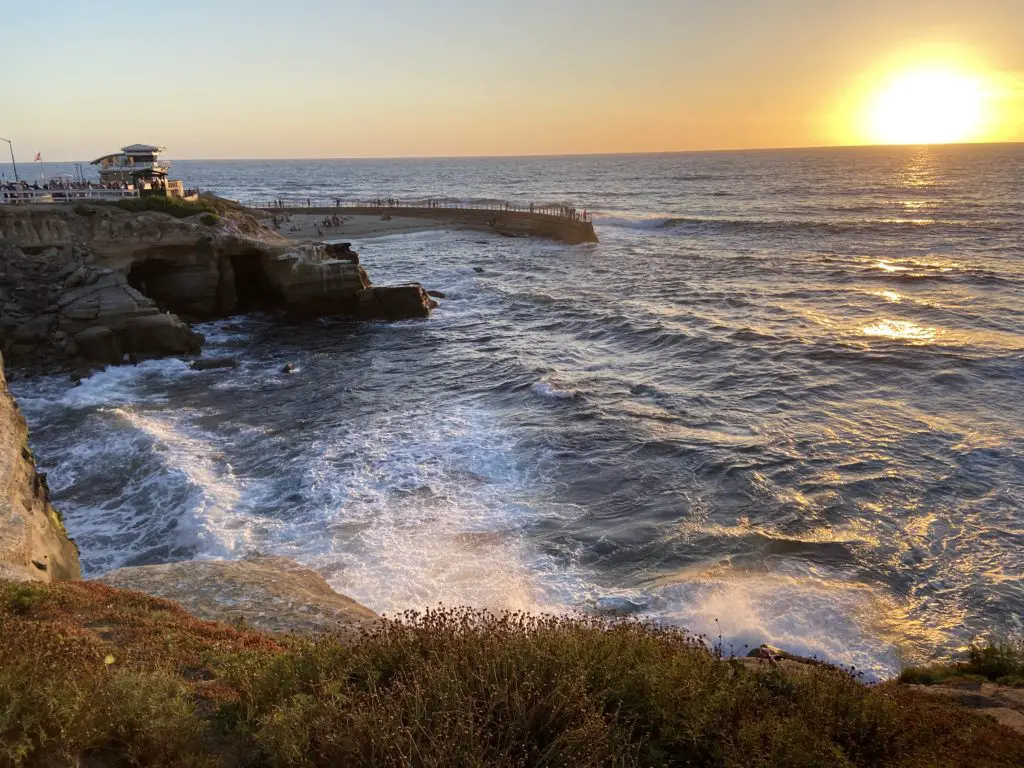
x: 33, y: 543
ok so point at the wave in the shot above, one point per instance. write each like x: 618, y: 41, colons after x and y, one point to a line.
x: 712, y: 225
x: 548, y: 390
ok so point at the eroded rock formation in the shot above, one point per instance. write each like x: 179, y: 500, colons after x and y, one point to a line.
x: 33, y: 543
x: 272, y: 594
x: 98, y: 283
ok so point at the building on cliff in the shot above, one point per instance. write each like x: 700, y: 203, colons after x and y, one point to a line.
x: 138, y: 167
x: 133, y: 172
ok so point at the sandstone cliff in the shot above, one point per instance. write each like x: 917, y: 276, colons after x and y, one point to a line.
x: 271, y: 594
x: 97, y: 282
x: 33, y: 543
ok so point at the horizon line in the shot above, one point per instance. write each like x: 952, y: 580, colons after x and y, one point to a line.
x: 576, y: 154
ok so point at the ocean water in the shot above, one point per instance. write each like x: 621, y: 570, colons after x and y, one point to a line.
x: 782, y: 399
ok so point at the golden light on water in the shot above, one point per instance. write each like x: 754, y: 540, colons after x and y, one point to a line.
x: 900, y: 330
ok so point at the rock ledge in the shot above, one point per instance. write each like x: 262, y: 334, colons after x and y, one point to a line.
x: 271, y: 594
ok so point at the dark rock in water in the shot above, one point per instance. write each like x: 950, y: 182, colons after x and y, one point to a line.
x: 288, y: 368
x: 478, y: 270
x: 437, y: 294
x: 99, y: 345
x: 211, y: 363
x: 159, y: 335
x: 341, y: 252
x: 133, y: 359
x: 394, y: 302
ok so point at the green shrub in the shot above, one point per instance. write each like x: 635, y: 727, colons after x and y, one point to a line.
x: 209, y: 219
x: 999, y: 661
x: 21, y: 597
x: 996, y: 660
x: 175, y: 206
x: 84, y: 210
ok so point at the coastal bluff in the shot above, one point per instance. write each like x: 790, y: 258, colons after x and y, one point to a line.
x: 96, y: 283
x: 33, y: 543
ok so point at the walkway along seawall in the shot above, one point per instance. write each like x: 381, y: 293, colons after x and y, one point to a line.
x: 570, y: 229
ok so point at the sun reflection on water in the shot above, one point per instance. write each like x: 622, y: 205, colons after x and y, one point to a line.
x: 885, y: 266
x: 891, y: 296
x: 900, y: 330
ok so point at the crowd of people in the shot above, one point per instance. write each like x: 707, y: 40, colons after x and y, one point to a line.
x: 22, y: 191
x: 59, y: 184
x: 328, y: 222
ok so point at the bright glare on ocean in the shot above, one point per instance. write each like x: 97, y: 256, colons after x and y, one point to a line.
x: 786, y: 392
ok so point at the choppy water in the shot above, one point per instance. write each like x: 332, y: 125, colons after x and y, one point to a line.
x: 785, y: 391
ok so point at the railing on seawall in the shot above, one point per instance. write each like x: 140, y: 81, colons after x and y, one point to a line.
x: 62, y: 195
x: 384, y: 204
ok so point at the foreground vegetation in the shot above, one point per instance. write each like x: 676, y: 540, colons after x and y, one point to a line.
x: 175, y: 206
x: 94, y: 676
x: 211, y: 207
x: 998, y: 662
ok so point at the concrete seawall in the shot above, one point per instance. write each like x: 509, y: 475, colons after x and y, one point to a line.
x: 510, y: 223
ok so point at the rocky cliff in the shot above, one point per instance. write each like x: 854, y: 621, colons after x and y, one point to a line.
x: 271, y: 594
x: 99, y: 283
x: 33, y: 543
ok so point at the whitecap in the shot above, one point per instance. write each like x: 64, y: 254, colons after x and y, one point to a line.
x: 546, y: 389
x: 651, y: 222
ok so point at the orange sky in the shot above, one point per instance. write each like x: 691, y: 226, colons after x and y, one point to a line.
x: 312, y: 78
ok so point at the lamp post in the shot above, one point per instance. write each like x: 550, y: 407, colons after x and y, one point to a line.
x: 11, y: 146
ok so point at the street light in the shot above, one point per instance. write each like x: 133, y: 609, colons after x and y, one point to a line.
x: 12, y: 158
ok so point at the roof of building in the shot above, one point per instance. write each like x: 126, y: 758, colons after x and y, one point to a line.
x: 140, y: 148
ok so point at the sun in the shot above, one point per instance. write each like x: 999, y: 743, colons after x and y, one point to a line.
x: 931, y: 105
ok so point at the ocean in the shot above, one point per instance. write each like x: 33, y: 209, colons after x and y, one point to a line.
x: 781, y: 401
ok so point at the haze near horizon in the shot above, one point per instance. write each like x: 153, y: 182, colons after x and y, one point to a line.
x: 316, y: 79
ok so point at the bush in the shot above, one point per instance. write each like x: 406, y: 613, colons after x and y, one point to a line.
x: 97, y: 676
x: 84, y: 210
x: 175, y: 206
x: 209, y: 219
x: 20, y: 597
x: 998, y: 661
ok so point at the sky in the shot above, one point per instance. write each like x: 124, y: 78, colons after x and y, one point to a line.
x: 398, y: 78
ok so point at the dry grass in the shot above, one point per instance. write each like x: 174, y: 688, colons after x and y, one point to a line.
x: 94, y: 676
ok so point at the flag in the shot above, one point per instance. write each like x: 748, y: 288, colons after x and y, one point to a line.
x: 39, y: 157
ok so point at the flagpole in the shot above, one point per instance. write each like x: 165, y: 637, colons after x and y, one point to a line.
x: 12, y: 158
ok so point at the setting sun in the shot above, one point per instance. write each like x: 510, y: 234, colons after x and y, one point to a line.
x: 929, y: 106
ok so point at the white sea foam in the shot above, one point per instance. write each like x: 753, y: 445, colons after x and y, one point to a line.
x: 409, y: 514
x: 805, y: 611
x: 423, y: 235
x: 548, y: 390
x: 119, y: 385
x: 213, y: 504
x: 645, y: 222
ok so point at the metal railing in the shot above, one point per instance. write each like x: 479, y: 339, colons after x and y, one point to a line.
x: 386, y: 204
x: 62, y: 195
